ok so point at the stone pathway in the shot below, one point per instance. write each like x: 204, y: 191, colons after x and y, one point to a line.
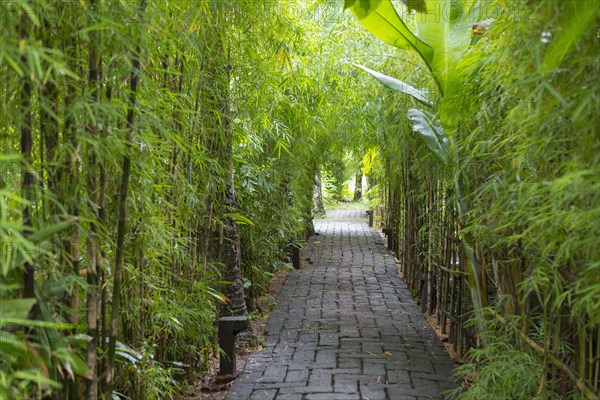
x: 345, y: 327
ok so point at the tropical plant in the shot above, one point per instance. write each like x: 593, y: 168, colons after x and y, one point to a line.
x: 442, y: 34
x: 498, y: 169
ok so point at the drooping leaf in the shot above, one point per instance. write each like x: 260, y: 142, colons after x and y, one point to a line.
x: 432, y: 134
x: 381, y: 19
x: 368, y: 160
x: 443, y: 30
x: 398, y: 85
x: 127, y: 353
x: 45, y: 233
x: 71, y: 361
x: 240, y: 219
x: 220, y: 297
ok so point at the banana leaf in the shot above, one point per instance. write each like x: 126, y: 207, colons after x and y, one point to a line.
x: 443, y: 30
x: 432, y: 134
x: 398, y: 85
x: 381, y: 19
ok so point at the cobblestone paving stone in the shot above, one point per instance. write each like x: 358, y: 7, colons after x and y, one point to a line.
x: 346, y: 327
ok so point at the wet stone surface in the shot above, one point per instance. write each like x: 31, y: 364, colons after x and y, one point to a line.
x: 346, y: 327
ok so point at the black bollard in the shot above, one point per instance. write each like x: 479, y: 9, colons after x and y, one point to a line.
x: 294, y: 251
x: 228, y: 328
x: 296, y: 256
x: 370, y: 215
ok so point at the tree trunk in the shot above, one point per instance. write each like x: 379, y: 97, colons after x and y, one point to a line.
x: 222, y: 203
x: 430, y: 248
x: 93, y: 295
x: 26, y: 144
x: 123, y: 194
x: 358, y: 186
x: 319, y: 194
x: 231, y: 259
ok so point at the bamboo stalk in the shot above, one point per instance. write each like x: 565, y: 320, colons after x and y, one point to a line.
x: 596, y: 365
x: 430, y: 212
x: 26, y: 145
x: 93, y: 295
x: 122, y: 218
x: 587, y: 391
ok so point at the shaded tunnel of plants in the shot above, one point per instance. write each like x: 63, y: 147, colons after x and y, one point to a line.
x: 158, y: 158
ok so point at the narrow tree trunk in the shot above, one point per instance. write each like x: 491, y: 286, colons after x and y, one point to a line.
x: 231, y: 246
x: 93, y: 295
x: 122, y: 219
x: 231, y: 260
x: 69, y: 185
x: 49, y: 132
x: 358, y: 186
x: 225, y: 239
x: 102, y: 218
x: 430, y: 249
x: 319, y: 193
x: 26, y: 144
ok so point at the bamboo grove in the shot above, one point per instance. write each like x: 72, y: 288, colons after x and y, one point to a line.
x: 498, y: 234
x: 156, y: 160
x: 157, y: 157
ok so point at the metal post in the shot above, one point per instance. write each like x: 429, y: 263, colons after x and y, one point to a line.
x: 228, y: 328
x: 296, y: 256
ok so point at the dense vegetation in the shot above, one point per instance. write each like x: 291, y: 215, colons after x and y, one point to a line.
x: 158, y: 157
x: 494, y: 198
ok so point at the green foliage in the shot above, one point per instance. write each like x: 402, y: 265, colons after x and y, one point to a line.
x: 217, y: 145
x: 433, y: 136
x: 238, y: 107
x: 334, y: 179
x: 148, y: 377
x: 398, y: 85
x: 493, y: 371
x: 442, y: 31
x: 382, y: 20
x: 531, y: 156
x: 520, y: 108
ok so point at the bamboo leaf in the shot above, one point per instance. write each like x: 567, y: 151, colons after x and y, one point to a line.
x: 432, y: 135
x: 398, y: 85
x: 45, y: 233
x: 575, y: 23
x: 128, y: 353
x: 368, y: 160
x: 220, y: 297
x: 240, y: 219
x: 13, y: 64
x: 37, y: 377
x: 35, y: 323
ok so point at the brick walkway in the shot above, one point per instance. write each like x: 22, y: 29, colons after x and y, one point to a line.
x: 345, y: 327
